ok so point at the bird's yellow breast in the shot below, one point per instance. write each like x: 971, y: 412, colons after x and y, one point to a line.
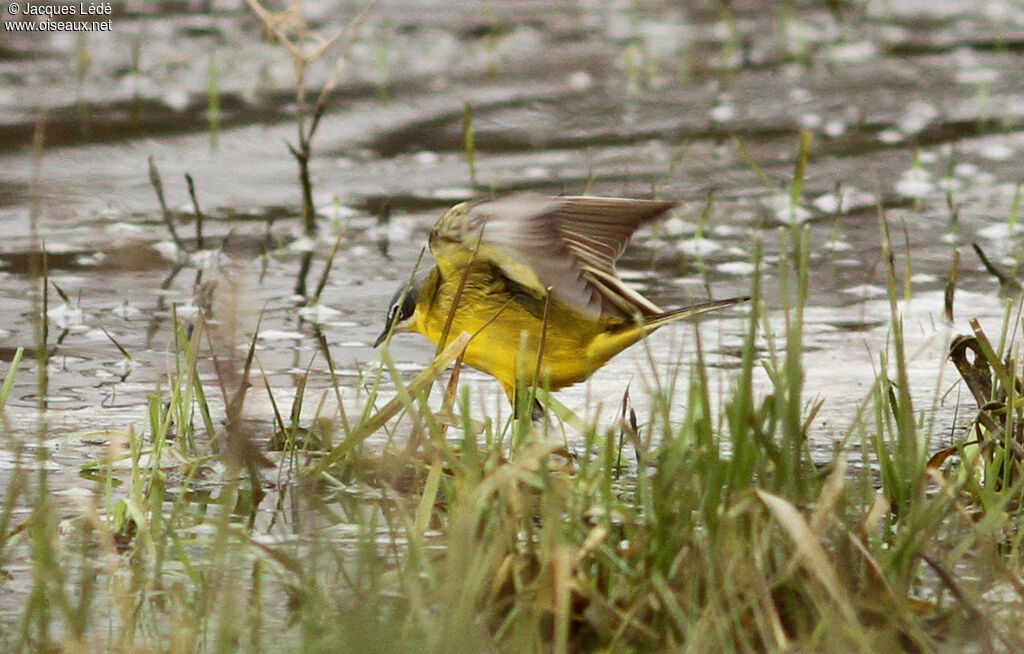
x: 508, y: 325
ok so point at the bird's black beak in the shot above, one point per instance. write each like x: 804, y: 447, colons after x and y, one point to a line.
x: 402, y: 309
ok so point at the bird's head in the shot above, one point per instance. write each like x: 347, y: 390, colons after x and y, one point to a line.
x: 401, y: 314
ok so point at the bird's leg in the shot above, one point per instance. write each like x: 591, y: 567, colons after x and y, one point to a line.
x: 517, y: 396
x: 537, y: 412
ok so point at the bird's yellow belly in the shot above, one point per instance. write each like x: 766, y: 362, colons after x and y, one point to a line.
x: 510, y: 356
x: 507, y: 340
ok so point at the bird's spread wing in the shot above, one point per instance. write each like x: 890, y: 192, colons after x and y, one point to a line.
x: 566, y: 244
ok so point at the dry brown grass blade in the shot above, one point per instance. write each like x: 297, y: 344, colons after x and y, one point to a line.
x: 809, y: 552
x: 954, y: 273
x: 937, y: 459
x: 830, y: 495
x: 393, y: 407
x: 543, y: 340
x: 448, y: 403
x: 458, y: 295
x: 1004, y: 375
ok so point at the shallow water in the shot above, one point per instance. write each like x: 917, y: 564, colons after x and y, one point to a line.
x: 914, y: 107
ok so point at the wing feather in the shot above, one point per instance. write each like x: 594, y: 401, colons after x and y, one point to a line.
x: 566, y: 244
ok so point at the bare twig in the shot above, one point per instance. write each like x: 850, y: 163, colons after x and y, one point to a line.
x: 197, y: 210
x: 301, y: 60
x: 158, y: 186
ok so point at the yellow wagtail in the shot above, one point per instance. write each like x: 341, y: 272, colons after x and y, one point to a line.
x: 532, y: 279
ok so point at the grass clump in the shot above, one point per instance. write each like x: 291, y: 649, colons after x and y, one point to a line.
x: 706, y: 526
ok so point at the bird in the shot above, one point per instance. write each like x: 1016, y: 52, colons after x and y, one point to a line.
x: 532, y: 279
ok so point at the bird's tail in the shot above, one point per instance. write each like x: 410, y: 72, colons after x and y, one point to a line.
x: 652, y: 322
x: 610, y: 343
